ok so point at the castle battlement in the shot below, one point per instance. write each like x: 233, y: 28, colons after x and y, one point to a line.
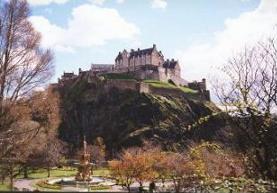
x: 146, y: 63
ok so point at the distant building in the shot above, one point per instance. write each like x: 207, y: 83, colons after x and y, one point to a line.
x: 133, y: 59
x: 102, y: 68
x: 67, y: 77
x: 149, y: 64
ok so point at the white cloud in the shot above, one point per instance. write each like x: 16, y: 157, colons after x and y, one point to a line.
x: 97, y: 2
x: 202, y: 59
x: 160, y: 4
x: 120, y: 1
x: 46, y: 2
x: 89, y: 25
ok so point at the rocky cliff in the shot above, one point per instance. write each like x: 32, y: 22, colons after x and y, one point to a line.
x: 126, y: 118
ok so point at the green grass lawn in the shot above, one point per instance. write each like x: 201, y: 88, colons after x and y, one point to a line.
x: 101, y: 172
x: 4, y: 187
x: 42, y: 173
x: 160, y: 84
x: 188, y: 90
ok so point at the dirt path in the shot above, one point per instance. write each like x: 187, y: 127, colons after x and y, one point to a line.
x: 25, y: 184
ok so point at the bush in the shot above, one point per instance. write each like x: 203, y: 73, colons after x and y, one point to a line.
x: 44, y: 184
x: 171, y: 82
x: 100, y: 187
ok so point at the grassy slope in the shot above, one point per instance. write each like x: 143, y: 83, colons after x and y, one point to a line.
x: 154, y: 83
x: 160, y: 84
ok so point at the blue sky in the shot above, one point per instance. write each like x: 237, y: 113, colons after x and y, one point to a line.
x: 201, y: 34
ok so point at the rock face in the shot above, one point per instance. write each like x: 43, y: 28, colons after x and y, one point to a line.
x: 125, y: 118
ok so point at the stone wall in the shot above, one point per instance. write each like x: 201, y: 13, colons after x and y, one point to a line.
x: 122, y: 84
x: 166, y: 91
x: 157, y: 59
x: 142, y: 87
x: 147, y: 73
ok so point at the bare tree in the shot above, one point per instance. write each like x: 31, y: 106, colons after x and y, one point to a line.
x: 249, y: 95
x: 23, y: 64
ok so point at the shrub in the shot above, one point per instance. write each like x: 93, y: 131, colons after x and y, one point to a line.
x: 100, y: 187
x: 45, y: 184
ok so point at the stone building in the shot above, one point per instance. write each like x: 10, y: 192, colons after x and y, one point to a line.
x: 102, y: 68
x: 67, y: 77
x: 149, y: 64
x: 135, y: 58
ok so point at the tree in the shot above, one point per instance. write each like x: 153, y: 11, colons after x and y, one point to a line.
x: 199, y: 167
x: 123, y: 172
x: 135, y: 164
x: 98, y: 151
x: 179, y: 169
x: 23, y: 66
x: 12, y: 164
x: 39, y: 120
x: 45, y: 110
x: 212, y: 165
x: 250, y: 97
x: 52, y: 154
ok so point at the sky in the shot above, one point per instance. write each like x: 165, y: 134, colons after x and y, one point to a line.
x: 201, y: 34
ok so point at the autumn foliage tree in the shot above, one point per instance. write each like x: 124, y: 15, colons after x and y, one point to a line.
x: 135, y: 164
x: 42, y: 149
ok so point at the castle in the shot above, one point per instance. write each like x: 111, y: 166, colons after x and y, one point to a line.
x: 141, y: 64
x: 144, y: 64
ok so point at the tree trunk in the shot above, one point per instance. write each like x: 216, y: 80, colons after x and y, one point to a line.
x: 140, y: 187
x: 25, y: 171
x: 11, y: 175
x: 2, y: 179
x: 11, y: 182
x: 48, y: 171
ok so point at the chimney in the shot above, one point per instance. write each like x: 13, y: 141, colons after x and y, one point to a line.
x: 138, y: 49
x: 154, y: 46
